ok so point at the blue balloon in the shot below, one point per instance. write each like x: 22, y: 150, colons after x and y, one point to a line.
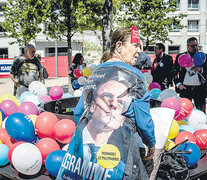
x: 154, y: 93
x: 4, y: 150
x: 20, y: 127
x: 66, y: 95
x: 2, y: 116
x: 199, y: 58
x: 186, y: 128
x: 54, y: 161
x: 195, y: 155
x: 75, y: 84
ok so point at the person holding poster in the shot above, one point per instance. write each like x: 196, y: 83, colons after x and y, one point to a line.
x: 116, y: 105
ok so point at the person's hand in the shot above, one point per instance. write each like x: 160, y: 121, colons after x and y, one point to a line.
x: 196, y: 69
x: 150, y: 154
x: 181, y: 87
x: 16, y: 82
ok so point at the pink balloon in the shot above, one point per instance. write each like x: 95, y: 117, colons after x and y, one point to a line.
x: 46, y: 98
x: 154, y: 85
x: 185, y: 60
x: 28, y: 108
x: 56, y: 92
x: 172, y: 103
x: 8, y: 107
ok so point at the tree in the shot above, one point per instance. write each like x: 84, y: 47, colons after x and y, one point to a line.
x: 22, y: 19
x: 150, y: 17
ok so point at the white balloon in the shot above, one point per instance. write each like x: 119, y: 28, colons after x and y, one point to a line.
x: 81, y: 80
x: 4, y: 122
x: 65, y: 148
x: 27, y: 159
x: 77, y: 93
x: 148, y: 77
x: 38, y: 88
x: 197, y: 120
x: 167, y: 93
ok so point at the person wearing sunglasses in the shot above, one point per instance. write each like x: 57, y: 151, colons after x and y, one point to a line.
x: 25, y: 69
x: 190, y: 81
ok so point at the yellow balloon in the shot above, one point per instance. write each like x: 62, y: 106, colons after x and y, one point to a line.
x: 33, y: 118
x: 174, y: 130
x: 10, y: 97
x: 183, y: 122
x: 169, y: 144
x: 86, y: 72
x: 1, y: 142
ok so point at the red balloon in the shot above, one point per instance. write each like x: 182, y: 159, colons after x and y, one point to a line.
x: 12, y: 149
x: 46, y: 146
x: 77, y: 73
x: 63, y: 130
x: 201, y: 138
x: 183, y: 135
x: 186, y: 109
x: 45, y: 123
x: 3, y: 135
x: 10, y: 141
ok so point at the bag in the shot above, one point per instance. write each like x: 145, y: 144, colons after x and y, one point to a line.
x: 173, y: 166
x: 45, y: 73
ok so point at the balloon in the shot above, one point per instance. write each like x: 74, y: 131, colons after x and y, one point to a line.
x: 65, y: 148
x: 56, y: 92
x: 45, y: 123
x: 10, y: 97
x: 154, y: 85
x: 173, y: 130
x: 185, y: 135
x: 86, y: 72
x: 12, y: 149
x: 10, y: 141
x: 77, y: 73
x: 46, y: 99
x: 8, y: 107
x: 81, y: 80
x: 185, y: 60
x: 77, y: 93
x: 4, y: 122
x: 169, y: 144
x: 38, y: 88
x: 28, y: 108
x: 186, y: 109
x: 2, y: 116
x: 63, y: 130
x: 3, y: 135
x: 27, y: 159
x: 195, y: 155
x: 4, y: 154
x: 53, y: 161
x: 75, y: 84
x: 197, y: 119
x: 166, y: 94
x: 148, y: 77
x: 46, y: 146
x: 154, y: 93
x: 20, y: 127
x: 66, y: 95
x: 33, y: 118
x: 182, y: 122
x: 172, y: 103
x: 186, y: 128
x: 29, y: 96
x: 199, y: 58
x: 201, y: 138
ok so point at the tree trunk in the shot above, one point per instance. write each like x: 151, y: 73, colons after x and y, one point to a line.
x: 107, y: 23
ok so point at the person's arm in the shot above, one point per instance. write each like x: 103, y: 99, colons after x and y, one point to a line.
x: 41, y: 75
x: 14, y: 79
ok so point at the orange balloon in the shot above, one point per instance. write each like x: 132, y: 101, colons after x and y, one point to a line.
x: 10, y: 142
x: 183, y: 135
x: 46, y: 146
x: 186, y: 109
x: 44, y: 124
x: 3, y: 135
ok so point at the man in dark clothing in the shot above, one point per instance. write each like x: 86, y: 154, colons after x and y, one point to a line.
x: 161, y: 67
x: 190, y: 81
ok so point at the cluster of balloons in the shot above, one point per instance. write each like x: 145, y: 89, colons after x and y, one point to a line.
x: 185, y: 60
x: 29, y: 139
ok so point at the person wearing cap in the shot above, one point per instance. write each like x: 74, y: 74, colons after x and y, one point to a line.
x: 162, y: 67
x: 190, y: 82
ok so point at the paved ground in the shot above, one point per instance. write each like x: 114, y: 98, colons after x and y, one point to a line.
x: 7, y: 85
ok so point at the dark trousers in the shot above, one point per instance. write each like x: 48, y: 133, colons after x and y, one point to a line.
x: 197, y: 93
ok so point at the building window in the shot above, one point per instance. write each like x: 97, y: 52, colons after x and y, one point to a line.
x: 62, y: 51
x: 193, y: 5
x: 193, y: 26
x: 150, y: 50
x: 174, y: 28
x: 173, y: 49
x: 3, y: 52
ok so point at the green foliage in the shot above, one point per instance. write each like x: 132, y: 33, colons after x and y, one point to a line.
x: 22, y: 19
x: 91, y: 46
x: 150, y: 17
